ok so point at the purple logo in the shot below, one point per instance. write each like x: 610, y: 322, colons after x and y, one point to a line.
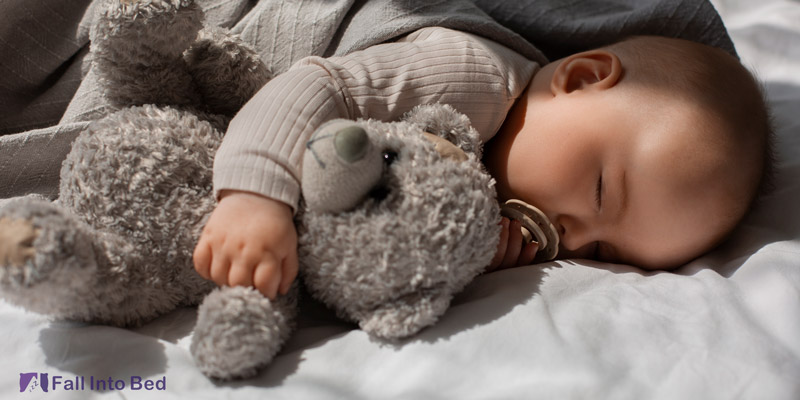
x: 28, y: 381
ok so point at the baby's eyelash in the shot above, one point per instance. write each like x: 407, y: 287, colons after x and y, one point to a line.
x: 598, y: 196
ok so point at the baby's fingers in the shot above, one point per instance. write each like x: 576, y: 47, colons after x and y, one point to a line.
x: 220, y: 265
x: 514, y: 245
x: 289, y: 272
x: 202, y: 259
x: 241, y: 273
x: 528, y: 254
x: 267, y: 277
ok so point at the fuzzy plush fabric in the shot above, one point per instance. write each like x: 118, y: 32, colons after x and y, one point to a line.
x: 239, y: 331
x: 410, y: 226
x: 155, y: 52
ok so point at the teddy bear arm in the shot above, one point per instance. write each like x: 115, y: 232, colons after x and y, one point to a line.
x: 407, y: 315
x: 239, y: 330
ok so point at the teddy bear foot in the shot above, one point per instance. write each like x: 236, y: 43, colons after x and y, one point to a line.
x: 37, y: 236
x: 404, y: 317
x: 137, y: 51
x: 239, y: 330
x: 16, y: 244
x: 165, y: 26
x: 42, y: 251
x: 229, y: 70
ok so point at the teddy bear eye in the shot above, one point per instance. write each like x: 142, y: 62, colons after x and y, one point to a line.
x: 389, y: 157
x: 381, y: 191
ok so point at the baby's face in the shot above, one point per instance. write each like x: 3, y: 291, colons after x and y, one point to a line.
x: 620, y: 176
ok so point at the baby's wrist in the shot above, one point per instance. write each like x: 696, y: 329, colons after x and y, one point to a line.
x: 246, y: 202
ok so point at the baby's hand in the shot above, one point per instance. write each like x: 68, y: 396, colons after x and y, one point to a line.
x: 510, y: 250
x: 249, y: 240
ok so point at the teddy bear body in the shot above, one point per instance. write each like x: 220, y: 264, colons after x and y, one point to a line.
x: 115, y: 248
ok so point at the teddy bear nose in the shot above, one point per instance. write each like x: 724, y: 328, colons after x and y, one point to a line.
x: 351, y: 143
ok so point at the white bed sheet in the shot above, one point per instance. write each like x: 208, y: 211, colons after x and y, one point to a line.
x: 724, y: 326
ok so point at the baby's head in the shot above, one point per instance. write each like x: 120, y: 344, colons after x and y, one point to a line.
x: 646, y: 152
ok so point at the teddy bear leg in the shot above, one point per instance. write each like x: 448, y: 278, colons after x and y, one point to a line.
x: 239, y: 331
x: 137, y: 51
x: 50, y: 261
x: 227, y: 71
x: 405, y: 316
x: 53, y: 263
x: 38, y: 241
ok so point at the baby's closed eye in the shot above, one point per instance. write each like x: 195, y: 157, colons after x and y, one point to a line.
x: 598, y: 195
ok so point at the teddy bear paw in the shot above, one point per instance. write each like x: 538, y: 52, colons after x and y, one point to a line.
x: 18, y: 267
x: 157, y: 31
x: 227, y: 71
x: 134, y: 19
x: 137, y: 51
x: 405, y: 316
x: 37, y: 238
x: 238, y: 331
x: 16, y: 244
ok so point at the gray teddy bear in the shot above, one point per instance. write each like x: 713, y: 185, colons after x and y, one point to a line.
x: 396, y: 217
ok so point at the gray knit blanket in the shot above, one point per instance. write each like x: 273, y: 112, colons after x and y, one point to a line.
x: 48, y: 92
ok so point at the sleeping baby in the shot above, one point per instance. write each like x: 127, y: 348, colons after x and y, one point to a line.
x: 645, y: 152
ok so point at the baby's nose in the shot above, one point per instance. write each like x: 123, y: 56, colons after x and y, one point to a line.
x: 574, y: 234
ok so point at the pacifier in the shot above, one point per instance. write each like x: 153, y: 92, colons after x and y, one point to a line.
x: 535, y: 228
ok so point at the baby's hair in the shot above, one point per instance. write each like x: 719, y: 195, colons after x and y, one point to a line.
x: 715, y: 80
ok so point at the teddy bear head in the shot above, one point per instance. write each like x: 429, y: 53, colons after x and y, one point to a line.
x: 396, y: 217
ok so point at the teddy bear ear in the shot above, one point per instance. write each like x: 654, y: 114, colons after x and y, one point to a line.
x: 444, y: 121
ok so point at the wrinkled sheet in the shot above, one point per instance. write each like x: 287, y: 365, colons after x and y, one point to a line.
x: 724, y: 326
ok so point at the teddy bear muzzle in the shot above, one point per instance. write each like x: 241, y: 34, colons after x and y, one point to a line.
x: 340, y: 168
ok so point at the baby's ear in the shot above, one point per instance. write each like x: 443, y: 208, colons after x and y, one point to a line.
x: 589, y: 70
x: 444, y: 121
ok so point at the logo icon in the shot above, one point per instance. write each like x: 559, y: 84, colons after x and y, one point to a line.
x: 29, y: 381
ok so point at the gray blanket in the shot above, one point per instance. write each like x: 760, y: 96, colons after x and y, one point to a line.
x: 48, y: 93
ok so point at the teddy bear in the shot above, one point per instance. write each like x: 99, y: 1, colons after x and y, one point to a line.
x: 395, y: 217
x: 394, y: 221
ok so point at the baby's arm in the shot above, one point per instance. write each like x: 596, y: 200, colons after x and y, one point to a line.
x: 249, y: 240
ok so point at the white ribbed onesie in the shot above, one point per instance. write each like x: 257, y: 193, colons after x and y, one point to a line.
x: 262, y: 151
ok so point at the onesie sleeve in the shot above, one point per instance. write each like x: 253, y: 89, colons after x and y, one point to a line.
x: 264, y: 144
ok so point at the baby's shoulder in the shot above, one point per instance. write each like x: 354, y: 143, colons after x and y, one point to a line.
x: 446, y: 39
x: 457, y: 38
